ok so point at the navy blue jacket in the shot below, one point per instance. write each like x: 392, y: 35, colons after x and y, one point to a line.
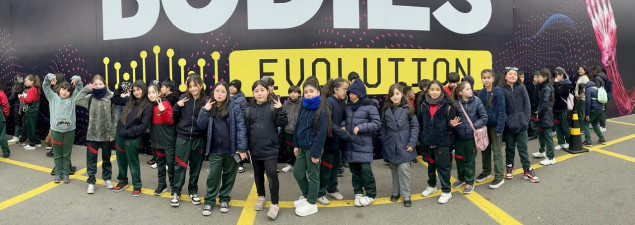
x: 436, y: 130
x: 398, y: 131
x: 495, y: 114
x: 305, y: 136
x: 186, y: 119
x: 517, y: 107
x: 476, y: 111
x: 338, y: 116
x: 262, y: 127
x: 135, y: 128
x: 545, y: 105
x: 561, y: 92
x: 240, y: 99
x: 591, y: 99
x: 237, y: 129
x: 366, y: 117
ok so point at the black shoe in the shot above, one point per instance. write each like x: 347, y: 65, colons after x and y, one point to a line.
x: 587, y: 143
x: 53, y: 172
x: 394, y: 198
x: 532, y: 137
x: 602, y: 141
x: 341, y: 172
x: 407, y: 203
x: 72, y: 172
x: 50, y: 154
x: 6, y: 155
x: 160, y: 190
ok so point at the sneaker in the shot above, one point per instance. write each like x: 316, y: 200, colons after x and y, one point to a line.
x: 394, y: 198
x: 365, y: 201
x: 174, y: 202
x: 323, y: 200
x: 224, y: 207
x: 260, y: 203
x: 14, y: 140
x: 136, y: 192
x: 603, y: 129
x: 458, y: 184
x: 587, y: 143
x: 468, y: 189
x: 566, y: 146
x: 150, y: 162
x: 482, y: 177
x: 57, y: 179
x: 429, y: 191
x: 50, y: 154
x: 340, y: 173
x: 23, y: 143
x: 241, y: 169
x: 557, y: 147
x: 407, y: 202
x: 108, y: 184
x: 6, y: 155
x: 29, y: 148
x: 306, y: 210
x: 336, y: 195
x: 539, y: 154
x: 274, y: 209
x: 496, y: 183
x: 66, y: 179
x: 299, y: 202
x: 548, y: 162
x: 195, y: 199
x: 445, y: 197
x: 160, y: 189
x: 602, y: 141
x: 287, y: 168
x: 49, y: 148
x: 207, y: 210
x: 531, y: 176
x: 358, y: 198
x: 73, y: 169
x: 90, y: 189
x: 153, y: 166
x: 120, y: 187
x: 509, y: 173
x: 53, y: 172
x: 38, y: 145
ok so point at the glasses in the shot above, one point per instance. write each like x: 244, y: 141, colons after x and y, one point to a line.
x: 340, y: 89
x: 511, y: 68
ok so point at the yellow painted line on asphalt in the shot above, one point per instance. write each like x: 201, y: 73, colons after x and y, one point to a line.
x: 27, y: 195
x: 620, y: 122
x: 248, y: 215
x: 616, y: 155
x: 612, y: 142
x: 26, y: 165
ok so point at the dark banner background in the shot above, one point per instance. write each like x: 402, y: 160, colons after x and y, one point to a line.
x: 40, y: 37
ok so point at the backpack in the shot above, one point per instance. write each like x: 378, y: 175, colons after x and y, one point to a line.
x: 602, y: 95
x: 570, y: 101
x: 480, y: 134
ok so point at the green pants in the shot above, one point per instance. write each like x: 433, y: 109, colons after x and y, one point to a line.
x: 465, y: 154
x: 439, y: 162
x: 545, y: 137
x: 128, y: 157
x: 188, y: 152
x: 513, y: 141
x: 562, y: 127
x: 594, y: 119
x: 91, y: 160
x: 363, y: 179
x: 495, y: 146
x: 222, y: 168
x: 328, y: 173
x: 533, y: 128
x: 62, y: 148
x: 165, y: 157
x: 307, y: 174
x: 3, y: 137
x: 31, y: 127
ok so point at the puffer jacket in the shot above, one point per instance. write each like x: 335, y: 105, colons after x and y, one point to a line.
x: 545, y: 105
x: 237, y: 128
x: 517, y: 107
x: 398, y: 131
x: 366, y: 117
x: 102, y: 115
x: 592, y: 102
x: 240, y: 99
x: 476, y: 111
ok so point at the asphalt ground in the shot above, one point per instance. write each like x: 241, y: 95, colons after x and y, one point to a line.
x: 587, y: 188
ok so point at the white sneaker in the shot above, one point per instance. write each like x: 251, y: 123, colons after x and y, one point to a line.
x: 547, y: 162
x: 195, y: 199
x: 336, y: 195
x: 603, y: 129
x: 153, y: 166
x: 557, y: 147
x: 260, y: 203
x: 287, y: 168
x: 428, y: 191
x: 90, y: 189
x: 565, y: 146
x: 323, y: 200
x: 109, y: 184
x: 365, y: 201
x: 299, y: 202
x: 445, y: 197
x: 358, y: 198
x: 38, y: 145
x: 306, y: 210
x: 14, y: 140
x: 539, y: 154
x: 29, y: 148
x: 49, y: 147
x: 274, y: 210
x: 174, y: 202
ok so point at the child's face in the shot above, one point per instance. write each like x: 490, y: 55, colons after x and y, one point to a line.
x: 233, y: 90
x: 452, y: 85
x: 310, y: 92
x: 580, y: 71
x: 165, y: 90
x: 220, y: 94
x: 536, y: 80
x: 64, y: 94
x: 558, y: 77
x: 260, y: 94
x: 511, y: 77
x: 353, y: 97
x: 194, y: 89
x: 467, y: 91
x: 434, y: 91
x: 137, y: 92
x: 28, y: 82
x: 294, y: 95
x: 340, y: 92
x: 411, y: 94
x: 153, y: 94
x: 541, y: 79
x: 487, y: 79
x: 396, y: 97
x: 522, y: 78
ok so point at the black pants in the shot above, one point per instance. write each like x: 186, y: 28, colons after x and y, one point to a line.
x: 439, y: 161
x: 270, y: 167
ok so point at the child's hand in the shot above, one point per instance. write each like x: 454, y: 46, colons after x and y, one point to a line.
x: 73, y: 82
x: 160, y: 106
x: 182, y: 102
x: 455, y: 122
x: 409, y: 148
x: 112, y: 139
x: 89, y: 86
x: 243, y: 155
x: 315, y: 160
x: 295, y: 152
x: 587, y: 118
x: 53, y: 81
x: 209, y: 104
x: 356, y: 130
x: 277, y: 104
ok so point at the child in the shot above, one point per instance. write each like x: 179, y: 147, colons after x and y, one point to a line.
x: 399, y: 131
x: 593, y: 113
x: 562, y: 88
x: 135, y: 119
x: 101, y: 131
x: 270, y: 86
x: 62, y: 122
x: 61, y: 79
x: 352, y: 77
x: 6, y: 108
x: 168, y: 93
x: 410, y: 94
x: 189, y: 140
x: 467, y: 107
x: 518, y: 109
x: 335, y: 89
x: 31, y: 100
x: 314, y: 125
x: 493, y: 99
x: 532, y: 91
x: 362, y: 119
x: 226, y: 145
x: 262, y: 124
x: 580, y: 104
x: 162, y: 137
x: 436, y: 138
x: 453, y: 80
x: 237, y: 95
x: 17, y: 89
x: 420, y: 96
x: 601, y: 80
x: 544, y: 114
x: 292, y: 106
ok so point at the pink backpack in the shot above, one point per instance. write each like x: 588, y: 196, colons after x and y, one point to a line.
x: 480, y: 134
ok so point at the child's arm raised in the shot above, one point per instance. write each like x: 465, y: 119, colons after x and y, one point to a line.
x: 46, y: 87
x: 82, y: 97
x: 79, y: 85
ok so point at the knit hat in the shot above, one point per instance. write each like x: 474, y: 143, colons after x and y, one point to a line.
x: 236, y: 83
x: 358, y: 88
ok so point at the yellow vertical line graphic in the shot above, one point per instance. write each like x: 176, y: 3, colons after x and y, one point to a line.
x: 201, y: 64
x: 170, y: 54
x: 143, y: 56
x: 215, y: 57
x: 117, y: 67
x: 181, y: 63
x: 133, y: 65
x: 27, y: 195
x: 106, y: 62
x: 248, y: 215
x: 156, y: 49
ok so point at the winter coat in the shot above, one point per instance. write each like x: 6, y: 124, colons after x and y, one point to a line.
x: 62, y: 111
x: 135, y: 128
x: 561, y: 91
x: 292, y: 108
x: 262, y: 122
x: 306, y: 136
x: 398, y: 131
x: 476, y: 111
x: 366, y: 117
x: 162, y: 132
x: 237, y: 128
x: 517, y: 107
x: 592, y: 102
x: 102, y: 115
x: 545, y: 105
x: 185, y: 118
x: 495, y: 114
x: 338, y: 120
x: 240, y: 99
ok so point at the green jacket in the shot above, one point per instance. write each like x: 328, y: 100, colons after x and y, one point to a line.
x: 102, y: 114
x: 62, y: 116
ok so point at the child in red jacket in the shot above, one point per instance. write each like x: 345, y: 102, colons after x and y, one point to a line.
x: 31, y: 100
x: 4, y: 103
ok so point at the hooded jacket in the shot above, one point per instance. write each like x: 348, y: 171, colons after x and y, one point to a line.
x: 102, y: 114
x: 237, y: 128
x: 366, y: 118
x: 518, y: 108
x: 545, y: 105
x: 495, y: 114
x: 561, y: 92
x: 592, y: 102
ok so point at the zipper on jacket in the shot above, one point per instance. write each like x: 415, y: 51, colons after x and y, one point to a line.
x: 192, y: 123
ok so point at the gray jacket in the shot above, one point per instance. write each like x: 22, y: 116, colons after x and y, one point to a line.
x: 103, y: 116
x: 292, y: 108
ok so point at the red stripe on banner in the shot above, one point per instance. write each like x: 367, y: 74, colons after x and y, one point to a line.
x: 93, y: 150
x: 160, y: 154
x: 119, y: 148
x: 430, y: 160
x: 556, y: 121
x: 184, y: 165
x: 458, y: 156
x: 327, y: 165
x: 56, y: 142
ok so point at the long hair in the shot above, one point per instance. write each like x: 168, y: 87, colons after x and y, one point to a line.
x: 491, y: 94
x: 157, y: 89
x: 403, y: 101
x: 323, y: 108
x: 329, y: 88
x: 503, y: 81
x: 101, y: 78
x: 223, y: 110
x: 560, y: 71
x: 194, y: 78
x: 36, y: 82
x: 18, y: 84
x: 586, y: 70
x: 141, y: 102
x: 459, y: 87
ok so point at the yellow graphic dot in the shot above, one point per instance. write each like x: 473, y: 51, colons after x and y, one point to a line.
x: 156, y: 49
x: 170, y: 52
x: 143, y: 54
x: 126, y: 76
x: 215, y: 55
x: 106, y: 60
x: 117, y: 65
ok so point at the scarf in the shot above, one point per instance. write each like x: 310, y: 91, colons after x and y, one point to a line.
x: 356, y: 105
x: 311, y: 103
x: 99, y: 93
x: 436, y: 101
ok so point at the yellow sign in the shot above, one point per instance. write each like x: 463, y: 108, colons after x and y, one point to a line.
x: 378, y: 68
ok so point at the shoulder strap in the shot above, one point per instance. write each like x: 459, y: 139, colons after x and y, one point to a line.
x: 467, y: 116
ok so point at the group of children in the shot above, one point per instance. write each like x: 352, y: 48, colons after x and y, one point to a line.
x: 321, y: 124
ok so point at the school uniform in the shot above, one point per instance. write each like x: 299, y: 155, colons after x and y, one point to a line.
x: 495, y: 126
x: 465, y: 151
x: 162, y: 136
x: 190, y: 145
x: 399, y: 130
x: 4, y: 104
x: 518, y: 109
x: 595, y: 110
x: 331, y: 157
x: 436, y: 137
x: 560, y: 110
x: 544, y: 112
x: 292, y: 108
x: 127, y: 142
x: 31, y: 109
